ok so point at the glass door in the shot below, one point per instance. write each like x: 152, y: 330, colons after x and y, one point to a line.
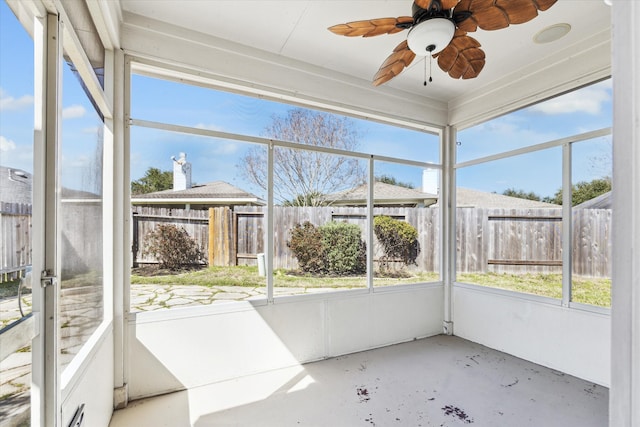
x: 52, y: 298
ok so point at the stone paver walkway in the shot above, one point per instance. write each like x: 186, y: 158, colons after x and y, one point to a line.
x: 158, y: 297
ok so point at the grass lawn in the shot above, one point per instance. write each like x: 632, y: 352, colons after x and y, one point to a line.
x: 595, y: 291
x: 10, y: 288
x: 586, y: 290
x: 248, y: 276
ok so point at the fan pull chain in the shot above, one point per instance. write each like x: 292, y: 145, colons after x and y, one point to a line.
x: 425, y: 70
x: 430, y: 69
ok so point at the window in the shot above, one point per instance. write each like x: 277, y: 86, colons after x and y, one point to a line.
x: 515, y: 165
x: 591, y: 201
x: 406, y: 224
x: 583, y: 110
x: 314, y: 165
x: 80, y: 175
x: 509, y: 235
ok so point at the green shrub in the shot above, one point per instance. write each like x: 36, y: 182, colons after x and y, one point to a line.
x: 334, y: 248
x: 306, y: 245
x: 173, y: 247
x: 345, y: 252
x: 398, y: 239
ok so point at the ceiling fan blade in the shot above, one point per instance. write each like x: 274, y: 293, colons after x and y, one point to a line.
x: 462, y: 58
x: 445, y: 4
x: 490, y: 18
x: 468, y: 24
x: 449, y: 4
x: 372, y: 27
x: 424, y: 4
x: 498, y: 14
x: 395, y: 63
x: 518, y: 11
x: 544, y: 4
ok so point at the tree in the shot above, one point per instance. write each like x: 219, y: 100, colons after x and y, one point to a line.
x: 521, y: 194
x: 302, y: 177
x: 393, y: 181
x: 310, y: 199
x: 153, y: 180
x: 583, y: 191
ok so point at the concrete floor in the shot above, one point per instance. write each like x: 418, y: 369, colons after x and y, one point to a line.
x: 439, y: 381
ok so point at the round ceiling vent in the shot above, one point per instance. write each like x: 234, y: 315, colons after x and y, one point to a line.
x: 552, y: 33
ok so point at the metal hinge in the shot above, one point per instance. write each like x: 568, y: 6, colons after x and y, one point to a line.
x: 47, y: 279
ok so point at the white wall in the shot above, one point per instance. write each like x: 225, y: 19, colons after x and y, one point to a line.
x: 180, y: 348
x: 569, y: 340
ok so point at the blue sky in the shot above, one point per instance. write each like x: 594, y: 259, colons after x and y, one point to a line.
x: 587, y: 109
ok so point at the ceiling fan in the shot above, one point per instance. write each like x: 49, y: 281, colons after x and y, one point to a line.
x: 439, y: 28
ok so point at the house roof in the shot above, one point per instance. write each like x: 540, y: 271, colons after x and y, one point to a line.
x: 384, y: 194
x: 468, y: 198
x: 603, y: 201
x: 217, y: 192
x: 15, y: 185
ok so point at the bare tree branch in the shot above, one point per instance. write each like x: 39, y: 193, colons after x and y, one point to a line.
x: 301, y: 176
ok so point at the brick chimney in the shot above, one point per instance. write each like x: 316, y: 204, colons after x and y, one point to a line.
x: 181, y: 172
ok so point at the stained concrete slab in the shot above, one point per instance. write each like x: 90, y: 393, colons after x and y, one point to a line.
x: 438, y: 381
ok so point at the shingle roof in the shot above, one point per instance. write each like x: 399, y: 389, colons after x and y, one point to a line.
x: 382, y: 193
x: 208, y: 192
x: 15, y: 185
x: 466, y: 197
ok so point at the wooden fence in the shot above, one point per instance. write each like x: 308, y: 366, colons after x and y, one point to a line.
x: 249, y: 225
x: 145, y: 220
x: 15, y: 238
x: 496, y: 240
x: 487, y: 240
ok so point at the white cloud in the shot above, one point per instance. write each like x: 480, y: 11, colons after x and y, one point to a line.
x: 15, y: 155
x: 9, y: 103
x: 73, y: 112
x: 208, y: 127
x: 6, y: 144
x: 225, y: 148
x: 588, y: 100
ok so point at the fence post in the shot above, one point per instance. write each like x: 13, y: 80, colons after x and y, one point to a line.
x: 212, y: 230
x: 233, y: 238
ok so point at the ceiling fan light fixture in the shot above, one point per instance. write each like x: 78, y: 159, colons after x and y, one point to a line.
x: 430, y: 36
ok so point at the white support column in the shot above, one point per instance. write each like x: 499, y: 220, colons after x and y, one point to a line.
x: 38, y: 217
x: 269, y: 238
x: 567, y: 225
x: 448, y: 213
x: 624, y: 395
x: 370, y: 199
x: 52, y: 239
x: 121, y: 244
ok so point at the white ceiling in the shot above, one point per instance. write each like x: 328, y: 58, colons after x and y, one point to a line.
x: 297, y: 30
